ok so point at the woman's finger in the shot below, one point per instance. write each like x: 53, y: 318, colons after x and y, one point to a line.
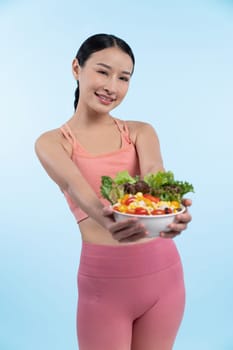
x: 187, y: 202
x: 170, y: 234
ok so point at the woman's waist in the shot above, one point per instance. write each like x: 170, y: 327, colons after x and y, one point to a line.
x: 94, y: 233
x: 102, y: 256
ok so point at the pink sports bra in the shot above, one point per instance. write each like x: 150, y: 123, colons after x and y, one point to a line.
x: 93, y: 167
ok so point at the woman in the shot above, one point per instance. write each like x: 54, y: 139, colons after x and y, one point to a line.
x: 131, y: 289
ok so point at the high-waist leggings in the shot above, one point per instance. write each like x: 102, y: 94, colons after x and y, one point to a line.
x: 130, y: 297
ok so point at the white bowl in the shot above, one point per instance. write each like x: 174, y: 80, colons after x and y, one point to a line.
x: 154, y: 223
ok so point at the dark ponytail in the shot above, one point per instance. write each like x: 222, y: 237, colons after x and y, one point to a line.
x: 96, y: 43
x: 76, y: 96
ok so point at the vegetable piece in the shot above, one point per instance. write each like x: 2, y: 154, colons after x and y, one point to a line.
x: 140, y: 211
x: 138, y: 186
x: 158, y: 212
x: 110, y: 190
x: 151, y: 198
x: 167, y: 210
x: 142, y: 186
x: 130, y: 211
x: 129, y: 200
x: 123, y: 177
x: 106, y: 187
x: 159, y: 179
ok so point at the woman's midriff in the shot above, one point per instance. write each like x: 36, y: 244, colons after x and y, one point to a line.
x: 92, y: 232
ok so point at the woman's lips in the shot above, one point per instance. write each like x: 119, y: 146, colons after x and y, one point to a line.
x: 106, y: 100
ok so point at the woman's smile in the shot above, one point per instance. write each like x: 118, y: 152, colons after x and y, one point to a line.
x: 104, y: 99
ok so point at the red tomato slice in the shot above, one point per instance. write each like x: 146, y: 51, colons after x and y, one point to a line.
x: 129, y: 200
x: 158, y: 212
x: 141, y: 211
x: 130, y: 211
x: 151, y: 198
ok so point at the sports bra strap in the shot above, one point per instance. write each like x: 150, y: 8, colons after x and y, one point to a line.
x: 67, y: 133
x: 123, y: 128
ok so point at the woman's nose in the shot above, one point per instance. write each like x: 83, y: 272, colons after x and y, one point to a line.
x: 110, y: 86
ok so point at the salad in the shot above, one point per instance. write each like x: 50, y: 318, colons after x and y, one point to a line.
x: 156, y: 194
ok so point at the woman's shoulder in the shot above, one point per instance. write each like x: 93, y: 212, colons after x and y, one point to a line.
x: 51, y: 139
x: 137, y: 128
x: 134, y: 124
x: 137, y: 123
x: 52, y: 135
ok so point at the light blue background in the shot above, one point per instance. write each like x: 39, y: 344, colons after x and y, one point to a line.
x: 183, y: 86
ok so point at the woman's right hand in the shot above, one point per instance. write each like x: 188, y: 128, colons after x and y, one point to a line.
x: 129, y: 230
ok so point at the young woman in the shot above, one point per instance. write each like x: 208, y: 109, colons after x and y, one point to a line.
x: 130, y: 287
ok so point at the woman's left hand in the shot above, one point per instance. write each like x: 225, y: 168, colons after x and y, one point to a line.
x: 180, y: 223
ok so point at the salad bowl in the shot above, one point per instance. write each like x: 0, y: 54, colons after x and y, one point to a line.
x: 154, y: 224
x: 155, y: 199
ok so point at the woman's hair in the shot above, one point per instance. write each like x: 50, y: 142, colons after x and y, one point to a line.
x: 96, y: 43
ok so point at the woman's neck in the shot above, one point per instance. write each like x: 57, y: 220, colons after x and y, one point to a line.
x: 89, y: 118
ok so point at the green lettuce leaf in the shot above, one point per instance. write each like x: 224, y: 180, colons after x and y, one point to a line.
x: 111, y: 190
x: 164, y: 186
x: 123, y: 177
x: 159, y: 179
x: 106, y: 187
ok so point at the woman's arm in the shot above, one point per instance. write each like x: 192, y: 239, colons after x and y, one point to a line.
x: 148, y: 149
x: 150, y: 160
x: 61, y: 169
x: 58, y: 165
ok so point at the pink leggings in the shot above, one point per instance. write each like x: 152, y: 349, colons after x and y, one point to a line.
x: 131, y: 297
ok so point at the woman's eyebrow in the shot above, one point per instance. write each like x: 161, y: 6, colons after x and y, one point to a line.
x: 109, y: 67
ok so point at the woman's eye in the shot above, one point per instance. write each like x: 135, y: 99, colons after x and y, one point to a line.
x: 124, y: 78
x: 102, y: 72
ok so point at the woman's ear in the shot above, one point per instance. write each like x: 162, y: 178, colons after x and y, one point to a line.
x: 75, y: 68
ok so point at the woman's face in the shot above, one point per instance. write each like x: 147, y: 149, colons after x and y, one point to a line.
x: 104, y: 79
